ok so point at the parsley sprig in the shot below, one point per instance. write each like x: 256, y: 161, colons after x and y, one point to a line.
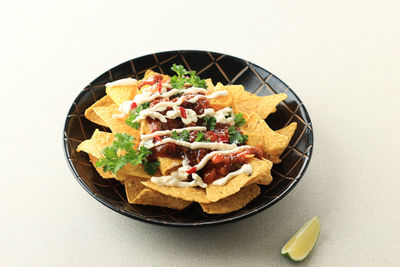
x: 183, y: 76
x: 184, y: 135
x: 134, y: 115
x: 210, y: 122
x: 239, y: 120
x: 122, y: 152
x: 235, y: 137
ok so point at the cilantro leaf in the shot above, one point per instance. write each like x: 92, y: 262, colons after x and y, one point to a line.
x: 179, y: 80
x: 121, y: 152
x: 210, y: 122
x: 184, y: 135
x: 235, y: 137
x: 151, y: 167
x: 239, y: 120
x: 199, y: 137
x: 134, y: 115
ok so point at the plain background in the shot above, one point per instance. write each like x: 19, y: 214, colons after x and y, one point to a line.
x: 342, y: 59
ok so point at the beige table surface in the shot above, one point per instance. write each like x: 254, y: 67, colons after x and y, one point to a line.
x: 340, y: 57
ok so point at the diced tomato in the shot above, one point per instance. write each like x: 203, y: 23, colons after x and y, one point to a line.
x: 133, y: 105
x: 217, y: 158
x: 212, y: 136
x: 192, y: 170
x: 158, y: 138
x: 159, y: 86
x: 183, y: 112
x: 223, y: 139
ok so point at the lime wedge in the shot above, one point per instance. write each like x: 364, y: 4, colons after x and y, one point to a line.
x: 301, y: 244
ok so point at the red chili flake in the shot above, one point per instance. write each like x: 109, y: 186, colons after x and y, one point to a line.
x: 158, y: 138
x: 183, y: 112
x: 159, y: 86
x: 192, y: 170
x: 223, y: 139
x: 133, y: 105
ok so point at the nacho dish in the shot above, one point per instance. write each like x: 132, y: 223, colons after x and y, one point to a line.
x: 181, y: 139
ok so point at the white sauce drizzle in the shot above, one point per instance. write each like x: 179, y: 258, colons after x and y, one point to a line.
x: 179, y: 178
x: 246, y: 168
x: 169, y: 132
x: 194, y: 145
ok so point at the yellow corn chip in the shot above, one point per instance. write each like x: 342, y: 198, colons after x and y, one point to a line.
x: 133, y: 187
x: 217, y: 192
x: 96, y: 143
x: 117, y: 125
x: 288, y: 130
x: 210, y: 85
x: 233, y: 202
x: 144, y: 127
x: 154, y: 198
x: 186, y: 193
x: 121, y: 93
x: 222, y: 101
x: 273, y: 144
x: 263, y: 178
x: 152, y: 72
x: 245, y: 102
x: 135, y: 170
x: 92, y: 116
x: 167, y: 165
x: 100, y: 169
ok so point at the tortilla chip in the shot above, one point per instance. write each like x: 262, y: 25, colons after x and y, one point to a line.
x: 103, y: 174
x: 152, y: 72
x: 121, y: 93
x: 233, y: 202
x: 167, y: 165
x: 92, y: 116
x: 136, y: 170
x: 117, y: 125
x: 245, y: 102
x: 186, y: 193
x: 288, y: 130
x: 217, y: 192
x: 210, y: 85
x: 133, y: 187
x: 144, y: 127
x: 222, y: 101
x: 263, y: 179
x: 259, y: 134
x: 154, y: 198
x: 95, y: 145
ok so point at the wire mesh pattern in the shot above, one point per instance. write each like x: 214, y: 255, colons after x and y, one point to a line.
x: 220, y: 68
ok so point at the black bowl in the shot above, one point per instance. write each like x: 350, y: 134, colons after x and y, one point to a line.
x: 221, y: 68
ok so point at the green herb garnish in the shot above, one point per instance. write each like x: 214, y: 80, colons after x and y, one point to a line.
x: 179, y: 80
x: 239, y: 120
x: 122, y: 152
x: 134, y: 115
x: 235, y: 137
x: 184, y: 135
x: 210, y: 122
x: 199, y: 137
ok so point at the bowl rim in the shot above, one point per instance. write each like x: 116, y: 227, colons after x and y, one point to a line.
x: 181, y: 224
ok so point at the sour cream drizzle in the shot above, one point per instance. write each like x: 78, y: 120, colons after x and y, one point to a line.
x: 194, y: 145
x: 178, y: 177
x: 145, y: 137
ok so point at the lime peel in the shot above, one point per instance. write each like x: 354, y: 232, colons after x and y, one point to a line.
x: 303, y: 241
